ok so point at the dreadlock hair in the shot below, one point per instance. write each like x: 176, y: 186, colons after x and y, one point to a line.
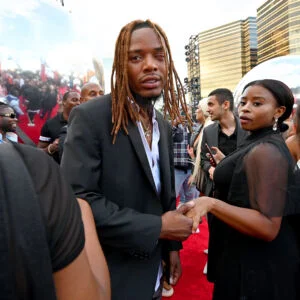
x: 122, y: 108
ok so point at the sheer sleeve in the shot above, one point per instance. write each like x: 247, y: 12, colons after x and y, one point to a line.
x: 267, y: 172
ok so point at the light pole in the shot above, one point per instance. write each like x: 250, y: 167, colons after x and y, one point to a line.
x: 192, y: 82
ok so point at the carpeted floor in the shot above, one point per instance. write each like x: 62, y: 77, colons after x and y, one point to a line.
x: 33, y: 132
x: 193, y: 284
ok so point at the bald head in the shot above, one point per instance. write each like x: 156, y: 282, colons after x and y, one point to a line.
x: 91, y: 90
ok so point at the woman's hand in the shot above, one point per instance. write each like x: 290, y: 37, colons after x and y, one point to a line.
x: 202, y: 206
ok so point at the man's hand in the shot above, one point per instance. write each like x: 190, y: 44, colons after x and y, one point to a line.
x: 175, y: 267
x: 54, y: 145
x: 211, y: 171
x: 175, y: 225
x: 202, y: 206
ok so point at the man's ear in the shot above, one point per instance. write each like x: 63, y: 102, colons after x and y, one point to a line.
x: 226, y: 105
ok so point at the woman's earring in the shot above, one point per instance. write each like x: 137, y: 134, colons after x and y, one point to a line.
x: 275, y: 125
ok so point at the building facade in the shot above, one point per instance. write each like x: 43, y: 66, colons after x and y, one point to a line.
x: 278, y: 29
x: 224, y: 55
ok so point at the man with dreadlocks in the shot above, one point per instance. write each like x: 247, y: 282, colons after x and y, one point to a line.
x: 118, y: 156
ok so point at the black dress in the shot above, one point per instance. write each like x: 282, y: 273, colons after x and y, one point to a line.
x: 258, y: 176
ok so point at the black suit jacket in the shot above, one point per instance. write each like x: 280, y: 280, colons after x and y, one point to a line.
x: 211, y: 137
x: 116, y: 180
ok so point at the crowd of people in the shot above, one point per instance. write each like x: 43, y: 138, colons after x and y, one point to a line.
x: 37, y: 95
x: 91, y: 212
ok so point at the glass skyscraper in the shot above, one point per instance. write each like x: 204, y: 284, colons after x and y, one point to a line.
x: 278, y: 29
x: 225, y: 54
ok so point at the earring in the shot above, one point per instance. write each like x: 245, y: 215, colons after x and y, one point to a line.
x: 275, y: 124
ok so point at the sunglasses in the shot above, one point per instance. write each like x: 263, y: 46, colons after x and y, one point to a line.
x: 12, y: 115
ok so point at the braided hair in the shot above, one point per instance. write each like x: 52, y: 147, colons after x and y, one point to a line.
x: 122, y: 109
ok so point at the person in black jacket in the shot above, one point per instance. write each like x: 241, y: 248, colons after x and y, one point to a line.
x: 118, y: 156
x: 223, y: 136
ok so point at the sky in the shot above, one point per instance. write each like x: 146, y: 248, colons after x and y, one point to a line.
x: 67, y: 37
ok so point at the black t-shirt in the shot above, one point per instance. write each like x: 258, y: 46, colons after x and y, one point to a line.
x: 59, y: 208
x: 227, y: 144
x: 51, y: 131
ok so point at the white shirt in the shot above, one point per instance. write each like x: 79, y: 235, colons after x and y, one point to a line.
x: 152, y: 154
x: 11, y: 136
x: 153, y: 159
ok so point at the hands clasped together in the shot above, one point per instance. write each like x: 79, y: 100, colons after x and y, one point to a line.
x: 180, y: 223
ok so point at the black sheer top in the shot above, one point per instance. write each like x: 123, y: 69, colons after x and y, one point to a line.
x: 261, y: 175
x: 258, y: 175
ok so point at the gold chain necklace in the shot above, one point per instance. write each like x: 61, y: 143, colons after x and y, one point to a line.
x: 147, y: 130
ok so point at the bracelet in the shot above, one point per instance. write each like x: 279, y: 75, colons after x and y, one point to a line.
x: 49, y: 150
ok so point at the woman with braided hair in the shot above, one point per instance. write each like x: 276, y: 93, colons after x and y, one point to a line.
x: 118, y: 156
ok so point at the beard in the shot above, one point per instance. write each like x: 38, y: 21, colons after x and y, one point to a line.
x: 6, y: 126
x: 146, y: 103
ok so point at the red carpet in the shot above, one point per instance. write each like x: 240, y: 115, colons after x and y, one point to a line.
x: 193, y: 284
x: 33, y: 132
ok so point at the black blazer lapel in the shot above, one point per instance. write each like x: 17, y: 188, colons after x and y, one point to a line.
x: 137, y: 143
